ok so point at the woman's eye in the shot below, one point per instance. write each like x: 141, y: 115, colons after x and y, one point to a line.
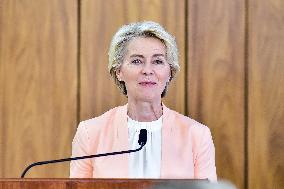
x: 136, y: 61
x: 158, y: 62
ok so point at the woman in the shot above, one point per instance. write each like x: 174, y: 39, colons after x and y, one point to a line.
x: 143, y: 60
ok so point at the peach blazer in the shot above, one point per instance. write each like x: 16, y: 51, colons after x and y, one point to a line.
x: 187, y: 147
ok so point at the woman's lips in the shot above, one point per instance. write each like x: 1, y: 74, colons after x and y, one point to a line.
x: 147, y: 83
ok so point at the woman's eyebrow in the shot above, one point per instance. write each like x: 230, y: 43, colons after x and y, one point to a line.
x: 155, y: 55
x: 137, y: 55
x: 141, y: 56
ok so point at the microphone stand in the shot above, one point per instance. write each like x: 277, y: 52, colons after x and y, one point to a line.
x: 79, y: 157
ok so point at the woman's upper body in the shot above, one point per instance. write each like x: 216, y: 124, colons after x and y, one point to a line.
x: 187, y: 149
x: 143, y: 60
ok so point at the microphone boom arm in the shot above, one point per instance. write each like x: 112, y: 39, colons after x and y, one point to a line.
x: 78, y: 158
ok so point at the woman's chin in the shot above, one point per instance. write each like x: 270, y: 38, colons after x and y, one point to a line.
x: 149, y: 97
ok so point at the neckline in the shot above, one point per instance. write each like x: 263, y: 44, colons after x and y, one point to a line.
x: 129, y: 119
x: 151, y: 126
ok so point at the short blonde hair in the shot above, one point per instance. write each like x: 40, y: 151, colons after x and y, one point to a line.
x: 126, y: 33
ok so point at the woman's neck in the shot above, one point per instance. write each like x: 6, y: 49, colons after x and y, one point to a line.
x: 144, y: 111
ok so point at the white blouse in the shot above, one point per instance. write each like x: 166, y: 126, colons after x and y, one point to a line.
x: 145, y: 163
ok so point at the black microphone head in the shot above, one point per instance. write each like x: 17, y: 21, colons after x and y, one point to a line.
x: 142, y: 137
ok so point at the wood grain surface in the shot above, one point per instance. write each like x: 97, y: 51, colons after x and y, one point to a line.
x: 99, y: 183
x: 38, y: 84
x: 266, y: 94
x: 215, y: 85
x: 100, y: 20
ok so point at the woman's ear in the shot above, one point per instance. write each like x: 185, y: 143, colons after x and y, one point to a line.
x: 170, y: 76
x: 118, y: 74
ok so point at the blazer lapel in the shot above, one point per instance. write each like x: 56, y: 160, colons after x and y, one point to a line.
x: 114, y: 138
x: 121, y: 140
x: 176, y: 162
x: 167, y: 133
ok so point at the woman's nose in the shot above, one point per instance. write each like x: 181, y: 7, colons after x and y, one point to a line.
x: 147, y: 69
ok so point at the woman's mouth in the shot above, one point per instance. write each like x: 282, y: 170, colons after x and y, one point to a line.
x: 147, y: 83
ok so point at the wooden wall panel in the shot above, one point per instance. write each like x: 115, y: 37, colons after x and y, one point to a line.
x: 216, y: 79
x: 266, y: 94
x: 38, y: 78
x: 38, y: 84
x: 100, y: 20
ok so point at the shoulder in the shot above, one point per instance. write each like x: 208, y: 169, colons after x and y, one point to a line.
x: 199, y: 133
x: 100, y: 121
x: 91, y: 128
x: 89, y: 131
x: 186, y: 121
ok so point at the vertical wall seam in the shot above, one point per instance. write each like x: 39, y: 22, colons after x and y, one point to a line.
x: 78, y: 61
x: 3, y: 122
x: 186, y: 59
x: 246, y: 96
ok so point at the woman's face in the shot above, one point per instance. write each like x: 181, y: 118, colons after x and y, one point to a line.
x: 145, y: 70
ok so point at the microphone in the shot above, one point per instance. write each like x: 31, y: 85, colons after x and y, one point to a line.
x: 141, y: 141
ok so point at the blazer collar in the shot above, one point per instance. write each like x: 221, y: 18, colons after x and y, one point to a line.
x: 121, y: 142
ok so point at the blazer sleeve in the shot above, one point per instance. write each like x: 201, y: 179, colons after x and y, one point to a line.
x: 81, y: 168
x: 205, y: 159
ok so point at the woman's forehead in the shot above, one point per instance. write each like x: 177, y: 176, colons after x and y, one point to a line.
x: 146, y: 45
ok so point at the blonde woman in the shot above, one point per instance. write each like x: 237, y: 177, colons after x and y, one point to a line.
x: 143, y: 60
